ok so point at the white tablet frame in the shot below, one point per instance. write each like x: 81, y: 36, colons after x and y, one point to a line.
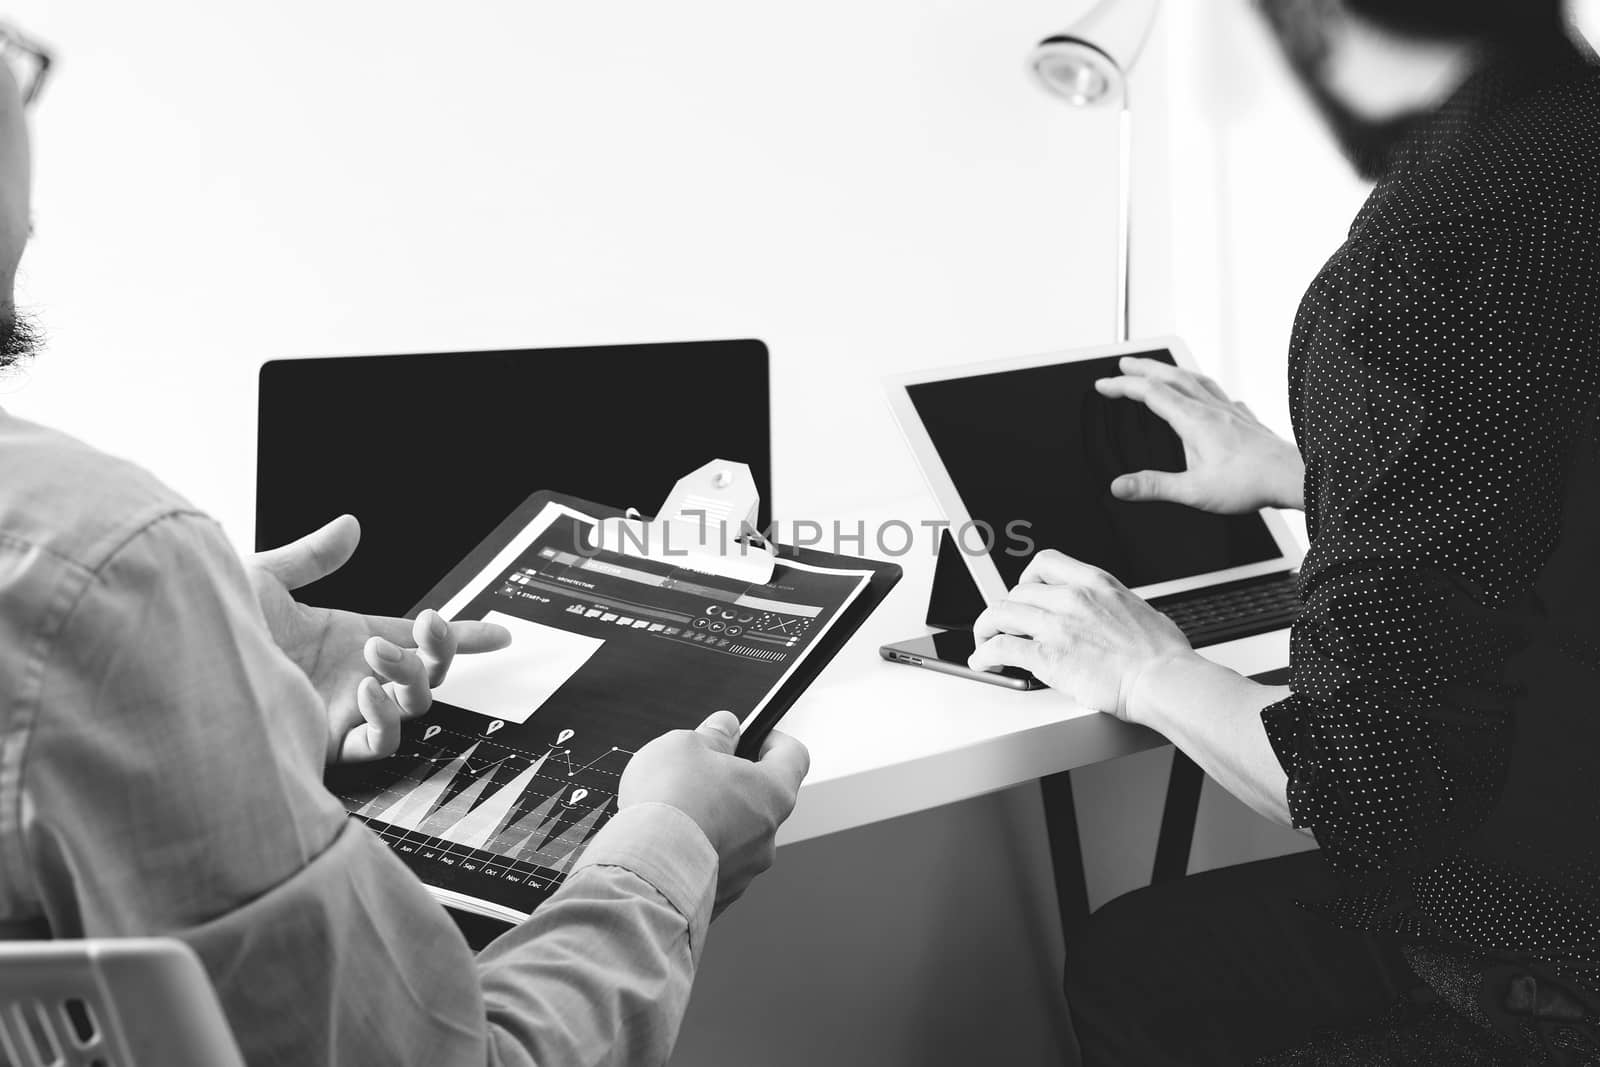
x: 983, y: 569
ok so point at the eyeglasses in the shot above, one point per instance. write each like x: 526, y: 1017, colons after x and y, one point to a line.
x: 29, y: 62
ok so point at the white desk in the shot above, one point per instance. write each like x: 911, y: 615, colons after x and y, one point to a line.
x: 887, y: 739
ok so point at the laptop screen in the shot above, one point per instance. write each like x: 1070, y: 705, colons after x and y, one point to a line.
x: 1041, y: 446
x: 431, y: 451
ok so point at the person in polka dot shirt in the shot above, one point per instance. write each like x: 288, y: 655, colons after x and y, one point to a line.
x: 1440, y: 736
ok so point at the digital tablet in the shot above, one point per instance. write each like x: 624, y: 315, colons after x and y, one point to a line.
x: 494, y: 793
x: 1020, y: 455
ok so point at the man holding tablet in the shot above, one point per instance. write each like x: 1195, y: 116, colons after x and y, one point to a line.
x: 1439, y: 737
x: 167, y: 717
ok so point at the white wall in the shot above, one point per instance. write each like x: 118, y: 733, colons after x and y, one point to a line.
x: 867, y: 186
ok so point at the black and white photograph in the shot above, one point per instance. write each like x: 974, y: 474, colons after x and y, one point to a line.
x: 874, y: 533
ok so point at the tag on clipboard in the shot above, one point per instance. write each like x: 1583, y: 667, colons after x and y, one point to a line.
x: 707, y: 524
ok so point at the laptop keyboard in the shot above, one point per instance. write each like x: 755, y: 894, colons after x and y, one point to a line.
x: 1238, y: 609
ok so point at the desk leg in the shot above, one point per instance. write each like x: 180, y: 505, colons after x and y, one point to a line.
x: 1066, y: 852
x: 1177, y: 820
x: 1066, y: 848
x: 1183, y: 805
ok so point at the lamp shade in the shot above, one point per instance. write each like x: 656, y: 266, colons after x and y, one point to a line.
x: 1087, y: 62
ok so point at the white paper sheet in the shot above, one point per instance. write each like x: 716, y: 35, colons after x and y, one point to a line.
x: 512, y: 683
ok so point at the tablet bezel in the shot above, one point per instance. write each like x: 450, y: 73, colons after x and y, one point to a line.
x: 980, y: 564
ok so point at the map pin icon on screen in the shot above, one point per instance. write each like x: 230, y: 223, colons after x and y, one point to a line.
x: 430, y: 731
x: 563, y: 737
x: 493, y: 727
x: 577, y: 795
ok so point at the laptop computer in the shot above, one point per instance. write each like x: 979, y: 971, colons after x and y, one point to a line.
x: 430, y: 451
x: 1020, y: 455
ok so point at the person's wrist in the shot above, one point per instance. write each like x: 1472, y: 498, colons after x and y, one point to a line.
x: 1292, y: 483
x: 1160, y: 686
x: 666, y: 809
x: 706, y: 821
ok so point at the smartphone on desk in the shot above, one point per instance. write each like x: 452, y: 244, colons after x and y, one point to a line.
x: 947, y: 652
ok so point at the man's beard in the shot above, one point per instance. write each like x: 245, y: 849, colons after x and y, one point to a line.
x: 1369, y: 145
x: 19, y: 339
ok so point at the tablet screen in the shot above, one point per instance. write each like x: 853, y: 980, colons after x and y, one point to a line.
x: 1040, y: 447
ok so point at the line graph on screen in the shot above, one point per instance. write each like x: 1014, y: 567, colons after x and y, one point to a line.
x: 491, y: 808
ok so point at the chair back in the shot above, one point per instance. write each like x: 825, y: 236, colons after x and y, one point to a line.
x: 136, y: 1002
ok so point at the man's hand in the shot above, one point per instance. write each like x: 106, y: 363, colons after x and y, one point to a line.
x: 739, y: 804
x: 350, y: 657
x: 1235, y: 464
x: 1079, y: 630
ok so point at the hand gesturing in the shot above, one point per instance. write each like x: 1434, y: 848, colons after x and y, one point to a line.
x: 371, y: 671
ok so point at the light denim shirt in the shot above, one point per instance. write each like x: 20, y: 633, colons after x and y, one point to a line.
x: 161, y: 774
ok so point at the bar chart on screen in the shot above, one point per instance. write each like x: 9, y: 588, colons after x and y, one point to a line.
x: 489, y: 808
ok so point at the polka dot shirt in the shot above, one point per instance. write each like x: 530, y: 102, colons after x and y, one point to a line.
x: 1443, y: 737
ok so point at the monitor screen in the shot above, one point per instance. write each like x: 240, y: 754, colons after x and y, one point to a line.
x: 1041, y: 446
x: 431, y: 451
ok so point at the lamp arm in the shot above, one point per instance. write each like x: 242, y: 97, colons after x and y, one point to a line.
x: 1124, y: 214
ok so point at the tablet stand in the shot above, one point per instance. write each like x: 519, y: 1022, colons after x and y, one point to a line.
x: 954, y: 602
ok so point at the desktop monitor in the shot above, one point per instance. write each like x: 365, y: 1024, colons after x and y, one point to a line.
x: 431, y: 451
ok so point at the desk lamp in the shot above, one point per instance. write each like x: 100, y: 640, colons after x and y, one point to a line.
x: 1087, y: 65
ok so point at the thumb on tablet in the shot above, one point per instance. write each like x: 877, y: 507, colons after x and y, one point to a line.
x: 720, y: 732
x: 1150, y: 485
x: 786, y: 759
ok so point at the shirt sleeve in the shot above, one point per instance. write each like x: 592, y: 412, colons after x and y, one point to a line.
x: 172, y: 786
x: 1442, y: 400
